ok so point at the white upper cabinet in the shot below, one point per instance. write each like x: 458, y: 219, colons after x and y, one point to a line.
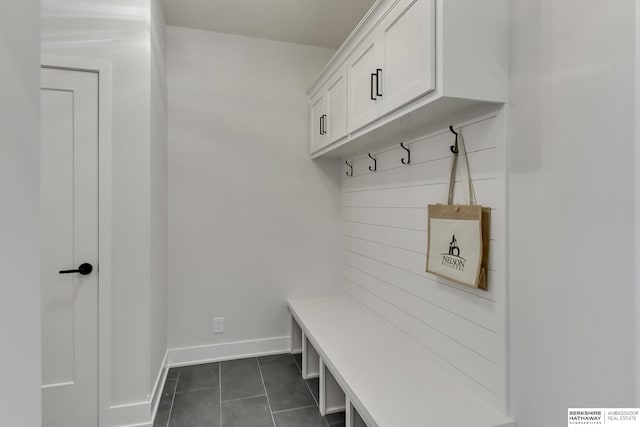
x: 395, y: 64
x: 329, y: 112
x: 336, y: 121
x: 363, y: 83
x: 411, y: 66
x: 407, y: 37
x: 318, y: 115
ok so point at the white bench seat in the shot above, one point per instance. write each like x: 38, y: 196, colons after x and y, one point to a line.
x: 385, y: 374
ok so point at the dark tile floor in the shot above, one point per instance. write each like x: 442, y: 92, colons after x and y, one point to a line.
x: 265, y: 391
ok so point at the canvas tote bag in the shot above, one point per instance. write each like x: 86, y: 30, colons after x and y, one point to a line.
x: 458, y: 235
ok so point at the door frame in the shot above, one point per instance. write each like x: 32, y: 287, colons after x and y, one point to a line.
x: 104, y: 70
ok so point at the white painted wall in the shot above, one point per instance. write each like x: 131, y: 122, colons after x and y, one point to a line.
x: 159, y: 190
x: 385, y: 246
x: 20, y: 212
x: 252, y: 220
x: 571, y: 173
x: 119, y: 31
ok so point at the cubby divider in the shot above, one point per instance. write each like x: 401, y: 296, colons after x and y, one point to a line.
x: 332, y: 397
x: 296, y: 337
x: 310, y: 360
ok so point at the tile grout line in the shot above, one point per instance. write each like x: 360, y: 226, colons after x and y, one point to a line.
x: 317, y: 401
x: 299, y: 365
x: 173, y: 398
x: 198, y: 389
x: 314, y: 399
x: 294, y: 409
x: 242, y: 398
x: 220, y: 389
x: 273, y: 420
x: 312, y: 395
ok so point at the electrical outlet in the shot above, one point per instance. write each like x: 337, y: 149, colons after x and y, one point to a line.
x: 218, y: 325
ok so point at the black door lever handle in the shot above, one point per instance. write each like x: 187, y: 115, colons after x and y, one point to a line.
x: 83, y: 269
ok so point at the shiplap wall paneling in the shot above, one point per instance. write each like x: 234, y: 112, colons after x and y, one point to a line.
x: 385, y: 245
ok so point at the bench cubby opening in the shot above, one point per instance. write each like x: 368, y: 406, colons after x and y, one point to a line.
x: 296, y: 337
x: 332, y: 397
x: 353, y: 418
x: 310, y: 360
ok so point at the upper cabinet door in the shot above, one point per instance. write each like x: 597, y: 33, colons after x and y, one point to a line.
x: 336, y: 121
x: 318, y: 122
x: 408, y: 45
x: 363, y: 83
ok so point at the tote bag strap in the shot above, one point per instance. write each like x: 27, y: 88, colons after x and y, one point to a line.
x: 452, y: 174
x: 471, y: 194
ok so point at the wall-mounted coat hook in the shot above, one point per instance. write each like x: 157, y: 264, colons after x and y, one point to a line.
x: 375, y: 163
x: 351, y: 167
x: 408, y: 159
x: 454, y: 148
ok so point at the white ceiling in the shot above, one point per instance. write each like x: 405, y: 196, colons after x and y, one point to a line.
x: 314, y: 22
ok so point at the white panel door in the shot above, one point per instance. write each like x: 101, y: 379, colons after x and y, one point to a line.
x: 336, y: 121
x: 363, y: 85
x: 318, y: 122
x: 408, y: 38
x: 69, y: 212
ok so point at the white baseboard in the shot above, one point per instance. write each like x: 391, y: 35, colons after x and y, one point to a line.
x: 227, y: 351
x: 131, y: 414
x: 141, y: 414
x: 156, y: 393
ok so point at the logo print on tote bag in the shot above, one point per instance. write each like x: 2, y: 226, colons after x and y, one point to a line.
x: 453, y: 259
